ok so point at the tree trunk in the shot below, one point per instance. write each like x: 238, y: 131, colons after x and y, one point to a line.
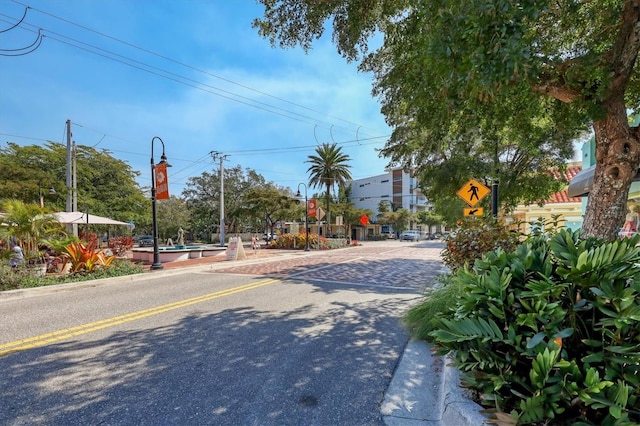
x: 617, y: 161
x: 328, y: 211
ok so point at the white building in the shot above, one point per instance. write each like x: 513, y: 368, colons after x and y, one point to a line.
x: 397, y: 187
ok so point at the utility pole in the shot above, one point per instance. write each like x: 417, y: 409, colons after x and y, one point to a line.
x: 69, y: 182
x: 218, y: 155
x: 71, y: 179
x: 74, y: 179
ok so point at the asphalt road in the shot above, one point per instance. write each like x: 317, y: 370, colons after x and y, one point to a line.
x: 301, y: 340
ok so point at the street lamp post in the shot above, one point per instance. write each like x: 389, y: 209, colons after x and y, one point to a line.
x: 52, y: 191
x: 163, y: 160
x: 306, y: 214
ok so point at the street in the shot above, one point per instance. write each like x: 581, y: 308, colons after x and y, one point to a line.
x: 304, y: 339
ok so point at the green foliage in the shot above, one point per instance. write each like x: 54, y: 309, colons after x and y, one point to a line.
x: 328, y: 168
x: 429, y: 218
x: 202, y: 196
x: 290, y: 241
x: 172, y: 214
x: 550, y: 331
x: 399, y: 219
x: 28, y: 225
x: 475, y: 237
x: 271, y: 204
x: 11, y: 280
x: 108, y: 190
x: 491, y: 89
x: 440, y: 299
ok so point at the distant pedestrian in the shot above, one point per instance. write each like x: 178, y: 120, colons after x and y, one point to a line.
x: 17, y: 257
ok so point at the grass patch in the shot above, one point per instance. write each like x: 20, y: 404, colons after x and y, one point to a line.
x: 440, y: 299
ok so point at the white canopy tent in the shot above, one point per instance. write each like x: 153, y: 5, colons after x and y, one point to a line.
x: 82, y: 218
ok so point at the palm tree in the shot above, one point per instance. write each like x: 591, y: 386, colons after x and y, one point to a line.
x: 328, y: 168
x: 27, y: 224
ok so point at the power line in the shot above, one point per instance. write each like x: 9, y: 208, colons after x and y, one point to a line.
x: 168, y: 75
x: 179, y: 62
x: 176, y: 77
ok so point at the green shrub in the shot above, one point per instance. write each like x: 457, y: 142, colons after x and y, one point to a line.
x: 473, y: 238
x: 549, y: 333
x: 439, y: 300
x: 11, y: 279
x: 289, y: 241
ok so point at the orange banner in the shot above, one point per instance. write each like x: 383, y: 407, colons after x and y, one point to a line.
x: 162, y: 183
x: 311, y: 208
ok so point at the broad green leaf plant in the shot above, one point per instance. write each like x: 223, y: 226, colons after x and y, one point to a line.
x: 549, y: 333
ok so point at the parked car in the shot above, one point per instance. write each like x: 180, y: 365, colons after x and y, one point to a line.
x: 410, y: 235
x: 143, y: 240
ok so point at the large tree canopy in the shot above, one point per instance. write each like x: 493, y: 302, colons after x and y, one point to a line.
x: 202, y: 195
x: 442, y: 62
x: 106, y: 186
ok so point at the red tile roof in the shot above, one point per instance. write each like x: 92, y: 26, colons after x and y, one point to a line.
x: 562, y: 196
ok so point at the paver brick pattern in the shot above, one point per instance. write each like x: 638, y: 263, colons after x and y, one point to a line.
x: 409, y: 267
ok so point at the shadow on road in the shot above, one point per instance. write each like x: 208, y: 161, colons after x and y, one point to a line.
x: 237, y: 367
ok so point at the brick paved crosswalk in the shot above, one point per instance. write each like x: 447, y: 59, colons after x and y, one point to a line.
x: 410, y: 267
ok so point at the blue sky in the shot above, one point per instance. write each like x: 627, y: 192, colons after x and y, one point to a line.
x: 193, y: 72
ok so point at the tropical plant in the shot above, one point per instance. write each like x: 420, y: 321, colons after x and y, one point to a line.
x: 9, y: 279
x: 28, y: 225
x: 550, y: 332
x: 86, y: 258
x: 289, y: 241
x: 328, y: 168
x: 120, y: 245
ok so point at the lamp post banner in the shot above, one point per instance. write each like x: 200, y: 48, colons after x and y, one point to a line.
x: 162, y: 184
x: 311, y: 207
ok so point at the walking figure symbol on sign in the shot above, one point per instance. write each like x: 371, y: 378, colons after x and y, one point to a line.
x: 472, y: 192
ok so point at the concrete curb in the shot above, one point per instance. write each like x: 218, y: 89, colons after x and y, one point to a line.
x: 424, y: 391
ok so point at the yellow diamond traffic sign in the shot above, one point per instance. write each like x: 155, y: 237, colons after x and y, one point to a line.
x: 472, y: 192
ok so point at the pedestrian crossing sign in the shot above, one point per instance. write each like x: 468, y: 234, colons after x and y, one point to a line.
x: 472, y: 192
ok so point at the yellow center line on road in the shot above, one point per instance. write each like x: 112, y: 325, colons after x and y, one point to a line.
x: 56, y: 336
